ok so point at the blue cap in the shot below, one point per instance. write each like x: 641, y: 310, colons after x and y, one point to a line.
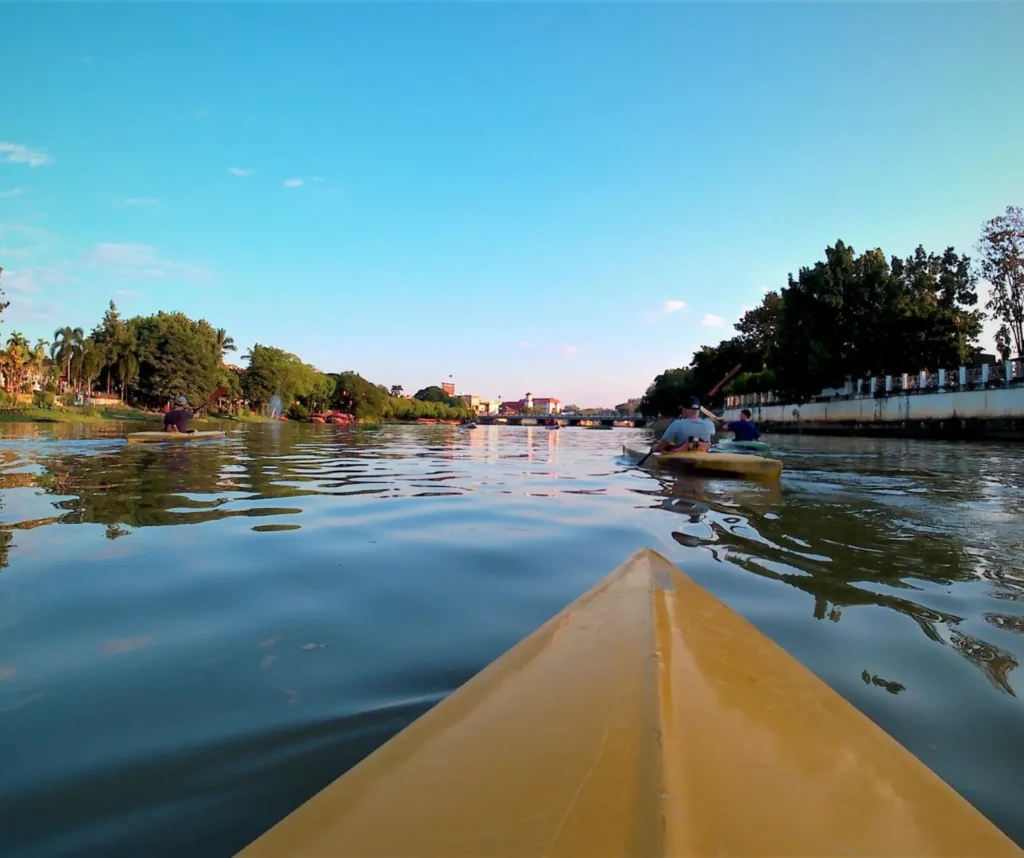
x: 691, y: 402
x: 181, y: 400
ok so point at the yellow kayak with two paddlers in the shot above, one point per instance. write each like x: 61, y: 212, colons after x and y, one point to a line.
x: 735, y: 464
x: 645, y: 719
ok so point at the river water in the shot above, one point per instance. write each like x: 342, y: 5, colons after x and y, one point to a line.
x: 195, y: 639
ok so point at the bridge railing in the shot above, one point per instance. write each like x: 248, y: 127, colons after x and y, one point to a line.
x: 572, y: 415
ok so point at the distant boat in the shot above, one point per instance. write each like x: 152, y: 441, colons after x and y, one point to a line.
x: 467, y: 424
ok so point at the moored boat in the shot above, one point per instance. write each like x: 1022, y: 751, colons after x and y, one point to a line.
x: 711, y: 462
x: 647, y: 718
x: 172, y: 437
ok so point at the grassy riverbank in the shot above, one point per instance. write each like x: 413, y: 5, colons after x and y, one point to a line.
x: 85, y: 414
x: 91, y: 414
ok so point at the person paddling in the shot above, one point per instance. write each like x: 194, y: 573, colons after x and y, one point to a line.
x: 689, y: 432
x: 177, y: 419
x: 744, y: 428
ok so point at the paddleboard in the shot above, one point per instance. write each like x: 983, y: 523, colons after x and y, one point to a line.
x: 172, y: 437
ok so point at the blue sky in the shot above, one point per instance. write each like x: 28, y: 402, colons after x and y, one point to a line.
x: 520, y: 196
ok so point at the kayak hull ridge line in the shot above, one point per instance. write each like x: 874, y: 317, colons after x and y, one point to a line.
x: 647, y: 718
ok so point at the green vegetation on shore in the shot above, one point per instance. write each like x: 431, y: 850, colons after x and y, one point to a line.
x: 855, y: 316
x: 84, y: 414
x: 374, y: 403
x: 149, y: 361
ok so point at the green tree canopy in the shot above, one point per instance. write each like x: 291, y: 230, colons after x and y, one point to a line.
x: 177, y: 356
x: 845, y: 317
x: 1002, y: 263
x: 355, y: 395
x: 665, y: 394
x: 431, y: 394
x: 275, y: 372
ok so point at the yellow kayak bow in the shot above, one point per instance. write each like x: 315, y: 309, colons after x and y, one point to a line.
x: 646, y: 719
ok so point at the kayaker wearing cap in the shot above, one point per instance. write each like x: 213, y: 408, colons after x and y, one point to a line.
x: 689, y: 432
x: 177, y: 419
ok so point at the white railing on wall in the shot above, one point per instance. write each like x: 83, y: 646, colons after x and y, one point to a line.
x: 987, y: 376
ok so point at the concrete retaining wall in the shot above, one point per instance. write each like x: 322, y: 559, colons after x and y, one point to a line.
x: 998, y: 412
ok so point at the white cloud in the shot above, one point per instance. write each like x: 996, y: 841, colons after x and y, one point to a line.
x: 672, y: 307
x: 13, y: 192
x: 38, y: 277
x: 293, y: 183
x: 38, y: 237
x: 24, y: 309
x: 29, y: 232
x: 142, y: 260
x: 139, y: 201
x: 570, y: 351
x: 712, y: 321
x: 240, y: 171
x: 19, y: 154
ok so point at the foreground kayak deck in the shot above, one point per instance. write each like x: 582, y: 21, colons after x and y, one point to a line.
x: 646, y: 719
x: 172, y: 437
x: 739, y: 464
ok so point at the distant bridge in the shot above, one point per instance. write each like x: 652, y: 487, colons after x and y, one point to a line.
x: 605, y: 418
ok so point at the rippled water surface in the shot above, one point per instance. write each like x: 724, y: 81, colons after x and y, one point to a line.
x: 194, y: 639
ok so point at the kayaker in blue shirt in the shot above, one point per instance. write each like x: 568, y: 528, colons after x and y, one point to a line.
x: 745, y: 430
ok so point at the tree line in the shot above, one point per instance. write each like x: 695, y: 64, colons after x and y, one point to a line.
x: 150, y: 361
x: 851, y: 316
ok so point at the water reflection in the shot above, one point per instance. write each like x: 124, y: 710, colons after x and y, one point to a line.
x: 857, y: 551
x: 214, y: 631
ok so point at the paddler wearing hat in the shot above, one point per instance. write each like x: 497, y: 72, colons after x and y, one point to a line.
x: 177, y: 419
x: 689, y: 431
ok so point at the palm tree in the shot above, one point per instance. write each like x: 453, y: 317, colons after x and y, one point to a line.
x: 15, y: 359
x: 224, y: 343
x: 67, y: 345
x: 396, y: 390
x: 87, y: 363
x: 37, y: 359
x: 127, y: 368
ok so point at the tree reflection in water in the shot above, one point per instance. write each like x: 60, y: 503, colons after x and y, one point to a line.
x: 844, y: 554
